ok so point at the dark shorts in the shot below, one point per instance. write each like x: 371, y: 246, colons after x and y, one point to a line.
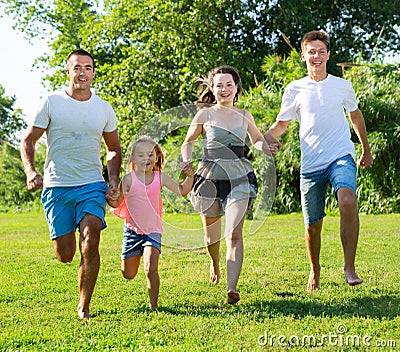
x: 65, y: 207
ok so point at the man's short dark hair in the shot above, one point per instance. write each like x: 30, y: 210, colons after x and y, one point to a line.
x: 81, y: 52
x: 315, y: 35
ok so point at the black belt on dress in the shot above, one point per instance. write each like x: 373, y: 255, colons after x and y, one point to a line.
x: 229, y: 152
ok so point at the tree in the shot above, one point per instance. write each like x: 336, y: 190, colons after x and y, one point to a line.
x: 354, y: 26
x: 11, y: 120
x: 14, y: 193
x: 149, y: 52
x: 378, y: 93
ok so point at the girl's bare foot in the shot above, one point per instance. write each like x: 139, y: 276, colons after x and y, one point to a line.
x: 313, y: 281
x: 215, y: 273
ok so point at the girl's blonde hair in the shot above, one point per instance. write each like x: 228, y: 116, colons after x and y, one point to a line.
x: 157, y: 149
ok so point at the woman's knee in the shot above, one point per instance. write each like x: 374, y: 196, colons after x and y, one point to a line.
x: 234, y: 236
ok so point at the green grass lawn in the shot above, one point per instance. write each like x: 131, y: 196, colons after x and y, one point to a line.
x: 38, y: 295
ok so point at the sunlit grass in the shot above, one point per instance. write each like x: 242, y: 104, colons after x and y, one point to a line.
x: 38, y: 295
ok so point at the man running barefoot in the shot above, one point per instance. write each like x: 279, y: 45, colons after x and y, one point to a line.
x: 328, y: 156
x: 75, y: 120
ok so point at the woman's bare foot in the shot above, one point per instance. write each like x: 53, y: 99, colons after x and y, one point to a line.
x: 313, y: 280
x: 83, y: 314
x: 352, y: 278
x: 233, y: 297
x: 215, y: 273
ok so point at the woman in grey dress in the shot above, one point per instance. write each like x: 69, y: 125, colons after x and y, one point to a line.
x: 225, y: 183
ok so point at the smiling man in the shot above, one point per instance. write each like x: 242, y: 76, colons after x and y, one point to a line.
x: 75, y: 121
x: 320, y: 102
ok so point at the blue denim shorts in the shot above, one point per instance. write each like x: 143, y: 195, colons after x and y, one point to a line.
x: 314, y: 185
x: 65, y: 207
x: 133, y: 243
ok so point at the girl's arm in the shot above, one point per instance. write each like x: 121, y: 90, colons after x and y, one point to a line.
x: 179, y: 188
x: 256, y: 137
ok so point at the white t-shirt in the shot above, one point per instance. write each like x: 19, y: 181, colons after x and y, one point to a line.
x: 324, y: 129
x: 74, y: 131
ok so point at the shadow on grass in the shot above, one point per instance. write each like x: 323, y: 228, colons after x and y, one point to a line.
x: 289, y: 304
x: 384, y: 306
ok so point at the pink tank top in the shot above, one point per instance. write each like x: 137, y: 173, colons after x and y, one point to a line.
x: 142, y: 206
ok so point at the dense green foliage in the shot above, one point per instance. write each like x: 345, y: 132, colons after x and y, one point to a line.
x: 149, y: 54
x: 13, y: 190
x: 38, y: 294
x: 378, y: 90
x: 11, y: 121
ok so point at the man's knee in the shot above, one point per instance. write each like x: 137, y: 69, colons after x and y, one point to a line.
x: 90, y: 228
x: 65, y: 247
x: 90, y: 224
x: 347, y: 200
x: 314, y: 229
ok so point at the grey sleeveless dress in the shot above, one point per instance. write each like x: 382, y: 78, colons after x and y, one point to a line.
x: 224, y: 175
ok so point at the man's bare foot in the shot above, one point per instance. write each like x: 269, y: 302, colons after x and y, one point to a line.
x: 215, y: 273
x: 313, y: 280
x: 352, y: 278
x: 83, y: 314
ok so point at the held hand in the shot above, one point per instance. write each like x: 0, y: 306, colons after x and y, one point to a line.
x: 274, y: 147
x: 186, y: 167
x: 112, y: 193
x: 366, y: 160
x: 34, y: 180
x: 113, y: 203
x: 273, y: 143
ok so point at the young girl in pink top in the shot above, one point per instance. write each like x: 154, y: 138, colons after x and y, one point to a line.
x: 140, y: 204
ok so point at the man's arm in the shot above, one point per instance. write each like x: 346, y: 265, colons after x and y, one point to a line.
x: 357, y: 120
x: 277, y: 129
x: 114, y: 160
x: 34, y: 179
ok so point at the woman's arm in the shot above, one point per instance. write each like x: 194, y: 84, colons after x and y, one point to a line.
x: 194, y: 131
x: 255, y: 135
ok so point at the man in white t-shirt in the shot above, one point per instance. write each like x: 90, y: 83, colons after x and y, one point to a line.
x: 75, y: 121
x: 320, y: 102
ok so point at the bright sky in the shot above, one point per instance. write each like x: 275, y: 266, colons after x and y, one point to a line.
x: 18, y: 77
